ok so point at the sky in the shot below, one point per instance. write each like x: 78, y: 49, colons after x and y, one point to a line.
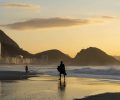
x: 66, y: 25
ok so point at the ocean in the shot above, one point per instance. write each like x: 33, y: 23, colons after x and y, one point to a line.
x: 103, y: 72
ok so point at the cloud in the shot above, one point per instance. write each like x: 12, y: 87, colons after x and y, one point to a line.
x: 46, y: 23
x: 38, y: 23
x: 19, y: 5
x: 101, y: 19
x: 108, y: 17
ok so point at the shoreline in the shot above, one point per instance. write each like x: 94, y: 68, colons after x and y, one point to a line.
x: 15, y: 75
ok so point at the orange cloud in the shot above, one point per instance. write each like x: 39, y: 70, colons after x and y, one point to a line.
x: 108, y: 17
x: 45, y: 23
x: 18, y: 5
x: 54, y: 22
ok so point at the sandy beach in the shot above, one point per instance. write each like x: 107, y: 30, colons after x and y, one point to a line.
x: 47, y: 87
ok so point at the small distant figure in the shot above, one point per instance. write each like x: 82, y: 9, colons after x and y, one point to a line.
x: 61, y: 69
x: 26, y: 69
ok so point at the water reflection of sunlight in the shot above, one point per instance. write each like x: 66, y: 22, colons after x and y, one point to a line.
x: 61, y: 89
x: 43, y: 78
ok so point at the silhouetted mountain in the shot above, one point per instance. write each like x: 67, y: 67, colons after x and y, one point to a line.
x: 94, y: 56
x: 117, y: 57
x: 53, y: 56
x: 10, y: 48
x: 89, y: 56
x: 6, y: 40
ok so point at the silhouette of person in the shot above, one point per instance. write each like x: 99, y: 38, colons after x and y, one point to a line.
x: 26, y: 69
x: 61, y: 69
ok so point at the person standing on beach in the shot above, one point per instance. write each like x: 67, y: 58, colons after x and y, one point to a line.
x: 61, y: 69
x: 26, y: 69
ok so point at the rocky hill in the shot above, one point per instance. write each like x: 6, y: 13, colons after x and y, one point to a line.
x: 94, y: 56
x: 10, y: 48
x: 53, y: 56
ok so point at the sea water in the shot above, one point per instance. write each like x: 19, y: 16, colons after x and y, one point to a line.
x: 105, y: 72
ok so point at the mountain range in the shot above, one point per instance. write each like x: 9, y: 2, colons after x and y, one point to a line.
x: 89, y: 56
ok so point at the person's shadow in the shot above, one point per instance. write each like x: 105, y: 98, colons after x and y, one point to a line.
x: 61, y: 89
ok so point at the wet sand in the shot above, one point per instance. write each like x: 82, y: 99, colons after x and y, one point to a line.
x: 44, y: 87
x: 50, y: 88
x: 76, y: 87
